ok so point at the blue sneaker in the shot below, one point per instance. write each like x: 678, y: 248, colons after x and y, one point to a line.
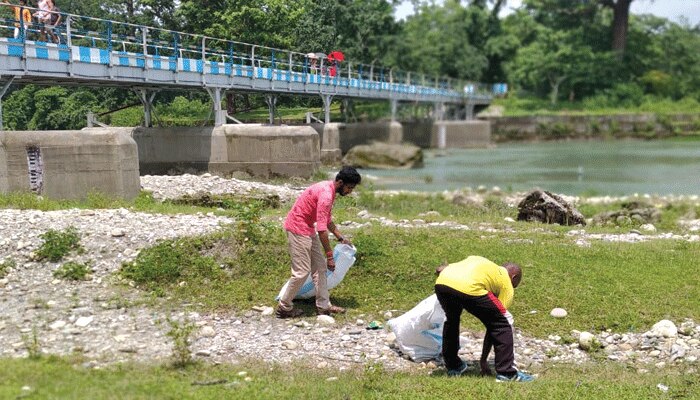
x: 459, y: 371
x: 518, y: 377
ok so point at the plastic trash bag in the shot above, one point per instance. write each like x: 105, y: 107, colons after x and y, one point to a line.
x: 344, y: 256
x: 419, y: 331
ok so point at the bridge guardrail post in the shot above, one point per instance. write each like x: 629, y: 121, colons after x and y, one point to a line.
x: 144, y: 44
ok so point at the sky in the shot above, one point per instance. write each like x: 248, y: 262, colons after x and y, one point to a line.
x: 671, y: 9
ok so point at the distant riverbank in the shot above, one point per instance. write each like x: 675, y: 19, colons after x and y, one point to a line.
x: 557, y: 127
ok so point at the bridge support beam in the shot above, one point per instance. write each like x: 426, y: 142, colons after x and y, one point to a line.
x: 219, y: 113
x: 327, y: 99
x: 3, y: 89
x: 442, y: 130
x: 394, y: 109
x: 146, y: 96
x: 271, y: 101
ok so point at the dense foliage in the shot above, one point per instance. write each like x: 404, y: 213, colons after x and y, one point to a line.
x: 573, y: 50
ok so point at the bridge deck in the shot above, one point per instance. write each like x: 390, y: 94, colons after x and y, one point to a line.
x: 97, y: 52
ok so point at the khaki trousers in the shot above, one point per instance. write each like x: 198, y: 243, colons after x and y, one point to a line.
x: 307, y: 258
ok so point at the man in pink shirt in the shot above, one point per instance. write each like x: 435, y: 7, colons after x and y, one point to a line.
x: 309, y: 246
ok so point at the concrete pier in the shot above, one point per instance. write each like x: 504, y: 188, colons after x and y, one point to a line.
x: 260, y: 150
x: 461, y: 134
x: 70, y: 164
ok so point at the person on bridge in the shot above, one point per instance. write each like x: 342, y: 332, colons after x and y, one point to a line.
x: 52, y: 26
x: 308, y: 243
x: 43, y: 17
x: 22, y: 17
x: 485, y: 290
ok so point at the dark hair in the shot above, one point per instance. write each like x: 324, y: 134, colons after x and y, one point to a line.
x: 349, y: 175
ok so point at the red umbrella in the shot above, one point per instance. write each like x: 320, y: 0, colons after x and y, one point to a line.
x: 336, y: 55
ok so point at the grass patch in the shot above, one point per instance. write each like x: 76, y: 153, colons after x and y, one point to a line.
x: 62, y: 379
x: 58, y: 244
x: 395, y: 270
x: 73, y: 271
x: 6, y: 265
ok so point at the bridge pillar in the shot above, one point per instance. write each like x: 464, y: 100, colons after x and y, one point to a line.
x: 271, y: 101
x: 327, y: 99
x: 442, y: 130
x: 468, y: 111
x: 146, y: 96
x: 3, y: 90
x: 219, y: 113
x: 394, y: 109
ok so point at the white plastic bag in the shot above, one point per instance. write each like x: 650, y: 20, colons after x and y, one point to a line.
x: 419, y: 331
x: 344, y: 256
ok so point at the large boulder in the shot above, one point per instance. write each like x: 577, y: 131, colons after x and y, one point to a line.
x: 543, y: 206
x: 385, y: 156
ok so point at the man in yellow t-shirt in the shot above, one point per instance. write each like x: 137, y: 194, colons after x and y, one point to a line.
x: 485, y: 290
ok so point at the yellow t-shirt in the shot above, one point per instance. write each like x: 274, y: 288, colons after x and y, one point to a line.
x: 476, y: 276
x: 25, y: 13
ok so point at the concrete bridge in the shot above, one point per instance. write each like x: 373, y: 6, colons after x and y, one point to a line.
x: 93, y: 52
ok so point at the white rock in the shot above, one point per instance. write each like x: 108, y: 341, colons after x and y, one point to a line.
x: 118, y: 232
x: 289, y: 345
x: 648, y: 228
x: 508, y: 219
x: 587, y: 340
x: 331, y: 379
x: 267, y: 311
x: 325, y: 320
x: 203, y: 353
x: 57, y: 325
x: 390, y: 339
x: 84, y: 321
x: 558, y: 313
x: 388, y: 315
x: 664, y: 328
x: 207, y: 331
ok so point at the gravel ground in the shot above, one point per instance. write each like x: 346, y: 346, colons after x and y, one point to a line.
x: 107, y: 323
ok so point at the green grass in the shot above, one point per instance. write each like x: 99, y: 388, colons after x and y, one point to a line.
x: 58, y: 244
x: 51, y: 378
x: 73, y: 271
x: 395, y: 270
x: 529, y: 106
x: 6, y: 265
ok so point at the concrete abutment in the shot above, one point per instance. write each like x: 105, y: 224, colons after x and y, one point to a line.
x: 70, y: 164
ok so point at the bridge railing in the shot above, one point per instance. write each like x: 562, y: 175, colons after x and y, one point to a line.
x: 139, y: 43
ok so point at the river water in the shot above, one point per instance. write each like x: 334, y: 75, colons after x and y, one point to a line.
x: 616, y: 167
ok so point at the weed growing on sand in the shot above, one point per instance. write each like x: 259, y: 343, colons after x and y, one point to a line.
x: 58, y: 244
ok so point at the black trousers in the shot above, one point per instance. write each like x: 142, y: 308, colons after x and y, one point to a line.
x: 489, y: 310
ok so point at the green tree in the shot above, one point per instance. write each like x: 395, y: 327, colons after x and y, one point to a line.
x: 436, y: 41
x: 19, y: 107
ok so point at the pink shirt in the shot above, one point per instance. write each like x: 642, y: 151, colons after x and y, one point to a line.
x: 313, y: 206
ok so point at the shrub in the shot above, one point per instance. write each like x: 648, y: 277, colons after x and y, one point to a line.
x: 57, y: 244
x: 180, y: 333
x: 168, y: 262
x: 73, y: 271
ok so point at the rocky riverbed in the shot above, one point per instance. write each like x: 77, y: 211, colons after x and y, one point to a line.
x: 107, y: 322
